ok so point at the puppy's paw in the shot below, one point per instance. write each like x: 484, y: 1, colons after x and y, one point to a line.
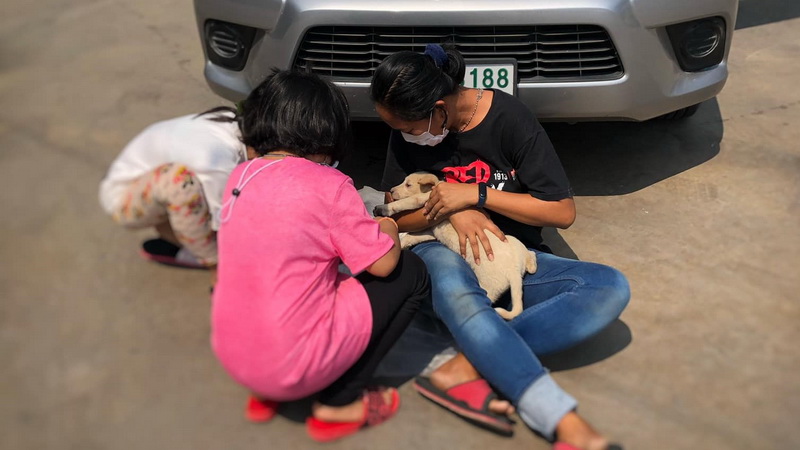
x: 382, y: 210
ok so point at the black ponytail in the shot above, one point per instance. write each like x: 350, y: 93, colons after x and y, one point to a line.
x: 455, y: 68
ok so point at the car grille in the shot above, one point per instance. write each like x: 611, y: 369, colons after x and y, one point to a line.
x: 543, y: 52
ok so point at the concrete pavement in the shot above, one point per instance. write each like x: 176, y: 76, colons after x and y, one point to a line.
x: 105, y: 351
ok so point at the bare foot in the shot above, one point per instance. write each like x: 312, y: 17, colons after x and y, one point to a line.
x: 354, y: 412
x: 459, y: 370
x: 577, y: 432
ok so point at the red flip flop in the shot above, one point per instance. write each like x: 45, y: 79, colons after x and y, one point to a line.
x: 376, y: 411
x: 470, y: 401
x: 564, y: 446
x: 260, y: 410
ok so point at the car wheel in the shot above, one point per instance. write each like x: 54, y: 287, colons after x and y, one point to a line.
x: 681, y: 113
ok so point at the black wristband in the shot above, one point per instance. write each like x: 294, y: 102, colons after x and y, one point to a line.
x: 481, y: 195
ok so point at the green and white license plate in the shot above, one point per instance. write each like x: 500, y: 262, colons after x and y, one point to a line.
x: 500, y: 74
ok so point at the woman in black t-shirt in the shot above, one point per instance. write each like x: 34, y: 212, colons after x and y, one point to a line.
x: 503, y: 176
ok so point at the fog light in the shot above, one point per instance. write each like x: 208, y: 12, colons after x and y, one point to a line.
x: 228, y: 44
x: 698, y: 44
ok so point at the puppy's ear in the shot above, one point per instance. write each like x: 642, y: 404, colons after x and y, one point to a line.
x: 427, y: 182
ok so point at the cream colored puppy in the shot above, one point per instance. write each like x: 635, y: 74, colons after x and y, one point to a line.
x: 511, y: 259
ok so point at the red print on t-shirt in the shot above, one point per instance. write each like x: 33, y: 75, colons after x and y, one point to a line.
x: 476, y: 172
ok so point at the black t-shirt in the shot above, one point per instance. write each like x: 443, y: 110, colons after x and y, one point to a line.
x: 509, y: 150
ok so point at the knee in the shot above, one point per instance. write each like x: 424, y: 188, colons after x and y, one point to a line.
x: 186, y: 179
x: 417, y: 274
x: 179, y: 176
x: 413, y: 263
x: 617, y: 290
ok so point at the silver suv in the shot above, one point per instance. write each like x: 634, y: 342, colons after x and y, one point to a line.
x: 568, y: 60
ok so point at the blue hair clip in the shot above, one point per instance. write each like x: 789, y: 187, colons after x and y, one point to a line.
x: 437, y: 53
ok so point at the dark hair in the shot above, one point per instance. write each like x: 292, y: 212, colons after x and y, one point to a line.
x: 218, y: 115
x: 298, y: 112
x: 409, y: 83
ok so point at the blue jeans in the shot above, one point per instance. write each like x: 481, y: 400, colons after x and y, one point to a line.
x: 566, y: 301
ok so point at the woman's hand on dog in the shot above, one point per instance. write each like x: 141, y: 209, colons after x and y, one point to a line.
x: 447, y: 198
x: 471, y: 225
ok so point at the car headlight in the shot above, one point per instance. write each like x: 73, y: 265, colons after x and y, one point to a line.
x: 228, y: 44
x: 698, y: 44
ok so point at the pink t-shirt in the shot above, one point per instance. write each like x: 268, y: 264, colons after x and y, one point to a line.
x: 285, y: 322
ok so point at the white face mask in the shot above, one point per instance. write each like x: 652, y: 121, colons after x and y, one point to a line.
x: 426, y: 138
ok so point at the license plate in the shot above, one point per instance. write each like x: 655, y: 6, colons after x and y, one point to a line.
x: 498, y: 74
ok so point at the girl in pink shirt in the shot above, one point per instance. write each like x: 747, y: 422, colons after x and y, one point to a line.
x: 286, y: 321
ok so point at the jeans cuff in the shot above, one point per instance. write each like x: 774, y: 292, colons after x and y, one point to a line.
x: 544, y: 404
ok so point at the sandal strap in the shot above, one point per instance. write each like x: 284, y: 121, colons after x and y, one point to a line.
x: 377, y: 410
x: 476, y: 394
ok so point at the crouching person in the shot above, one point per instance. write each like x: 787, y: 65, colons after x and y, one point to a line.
x: 170, y: 177
x: 286, y: 322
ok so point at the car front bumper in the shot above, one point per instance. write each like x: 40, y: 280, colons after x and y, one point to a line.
x: 652, y: 83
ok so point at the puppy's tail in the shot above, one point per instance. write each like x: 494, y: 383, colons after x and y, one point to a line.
x: 516, y: 301
x: 530, y: 262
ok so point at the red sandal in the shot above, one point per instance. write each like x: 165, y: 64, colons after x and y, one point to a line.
x: 564, y: 446
x: 470, y: 401
x: 376, y: 411
x: 260, y: 410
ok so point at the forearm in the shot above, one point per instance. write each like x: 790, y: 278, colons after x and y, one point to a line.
x: 390, y: 228
x: 530, y: 210
x: 387, y: 263
x: 411, y: 221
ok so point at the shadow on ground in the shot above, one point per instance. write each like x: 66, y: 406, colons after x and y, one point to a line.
x: 613, y: 339
x: 618, y: 158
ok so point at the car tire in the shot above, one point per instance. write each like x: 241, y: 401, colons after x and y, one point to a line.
x: 682, y: 113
